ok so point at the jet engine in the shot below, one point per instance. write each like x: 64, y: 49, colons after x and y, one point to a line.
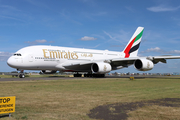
x: 143, y: 64
x: 48, y: 71
x: 101, y: 67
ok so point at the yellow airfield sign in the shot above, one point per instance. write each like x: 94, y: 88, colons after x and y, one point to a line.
x: 7, y: 104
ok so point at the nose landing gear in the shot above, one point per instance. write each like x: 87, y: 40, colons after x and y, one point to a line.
x: 21, y: 75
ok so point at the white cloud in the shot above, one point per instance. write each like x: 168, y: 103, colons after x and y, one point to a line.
x: 159, y: 50
x: 40, y: 41
x: 4, y: 56
x: 162, y: 8
x: 156, y: 49
x: 175, y: 52
x: 37, y: 42
x: 86, y: 38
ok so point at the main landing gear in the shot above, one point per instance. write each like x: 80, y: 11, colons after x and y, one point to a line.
x: 95, y: 75
x: 77, y: 75
x: 90, y: 75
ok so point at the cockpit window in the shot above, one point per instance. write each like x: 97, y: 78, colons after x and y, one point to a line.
x: 17, y: 54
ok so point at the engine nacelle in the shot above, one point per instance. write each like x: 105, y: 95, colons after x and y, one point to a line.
x: 101, y: 67
x: 48, y: 71
x: 143, y: 64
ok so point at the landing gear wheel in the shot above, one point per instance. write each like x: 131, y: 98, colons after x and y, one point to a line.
x: 95, y: 75
x: 21, y: 76
x: 77, y: 75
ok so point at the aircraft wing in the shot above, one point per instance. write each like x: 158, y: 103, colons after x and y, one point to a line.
x: 86, y: 65
x: 123, y: 62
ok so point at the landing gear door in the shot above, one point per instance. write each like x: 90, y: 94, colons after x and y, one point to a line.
x: 30, y: 57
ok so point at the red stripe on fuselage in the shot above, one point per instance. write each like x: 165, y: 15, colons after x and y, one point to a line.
x: 126, y: 51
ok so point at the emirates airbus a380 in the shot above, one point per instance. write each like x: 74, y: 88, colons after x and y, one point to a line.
x: 93, y: 63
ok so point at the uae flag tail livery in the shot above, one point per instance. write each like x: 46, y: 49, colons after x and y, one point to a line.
x: 132, y: 47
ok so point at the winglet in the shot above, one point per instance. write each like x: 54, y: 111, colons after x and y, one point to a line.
x: 132, y: 47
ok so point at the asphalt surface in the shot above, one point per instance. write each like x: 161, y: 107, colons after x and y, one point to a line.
x: 58, y: 78
x: 35, y: 78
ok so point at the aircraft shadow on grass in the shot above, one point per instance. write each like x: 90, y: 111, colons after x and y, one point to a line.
x: 118, y: 111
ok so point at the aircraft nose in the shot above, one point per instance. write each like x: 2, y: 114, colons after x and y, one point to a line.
x: 11, y: 62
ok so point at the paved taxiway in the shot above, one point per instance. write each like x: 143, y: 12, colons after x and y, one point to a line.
x: 36, y: 78
x: 58, y: 78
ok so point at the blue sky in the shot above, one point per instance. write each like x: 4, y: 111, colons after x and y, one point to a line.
x: 96, y: 24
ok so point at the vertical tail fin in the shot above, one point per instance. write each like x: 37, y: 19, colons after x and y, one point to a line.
x: 131, y: 49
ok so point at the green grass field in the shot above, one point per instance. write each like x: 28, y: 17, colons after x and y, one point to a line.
x: 74, y: 99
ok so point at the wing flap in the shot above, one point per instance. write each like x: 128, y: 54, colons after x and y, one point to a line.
x: 123, y: 61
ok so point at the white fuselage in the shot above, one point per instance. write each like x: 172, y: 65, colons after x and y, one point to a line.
x: 53, y: 58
